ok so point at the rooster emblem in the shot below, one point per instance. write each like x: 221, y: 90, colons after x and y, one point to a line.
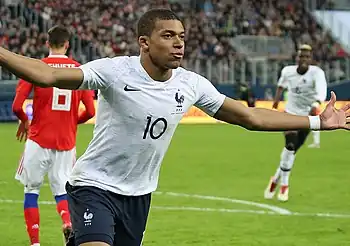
x: 179, y: 99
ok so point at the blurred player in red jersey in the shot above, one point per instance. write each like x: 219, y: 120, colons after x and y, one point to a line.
x: 50, y: 147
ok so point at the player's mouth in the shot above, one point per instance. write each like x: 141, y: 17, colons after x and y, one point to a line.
x: 177, y: 55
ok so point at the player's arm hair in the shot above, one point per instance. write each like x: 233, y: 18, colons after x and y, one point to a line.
x: 278, y: 95
x: 39, y: 73
x: 259, y: 119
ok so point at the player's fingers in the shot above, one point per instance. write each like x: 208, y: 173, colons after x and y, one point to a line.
x: 333, y: 99
x: 346, y: 107
x: 18, y: 134
x: 347, y: 127
x: 24, y: 135
x: 21, y: 137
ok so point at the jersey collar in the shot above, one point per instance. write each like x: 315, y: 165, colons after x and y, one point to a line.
x: 58, y: 56
x: 142, y: 71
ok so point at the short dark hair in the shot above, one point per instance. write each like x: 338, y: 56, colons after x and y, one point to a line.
x: 148, y: 20
x: 58, y: 35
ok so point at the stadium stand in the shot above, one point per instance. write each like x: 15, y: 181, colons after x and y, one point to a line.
x: 107, y: 28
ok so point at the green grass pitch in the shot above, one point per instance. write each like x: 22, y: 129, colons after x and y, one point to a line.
x: 211, y: 191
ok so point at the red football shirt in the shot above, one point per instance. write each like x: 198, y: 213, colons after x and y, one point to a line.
x: 55, y: 111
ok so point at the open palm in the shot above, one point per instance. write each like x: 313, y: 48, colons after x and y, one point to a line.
x: 332, y: 118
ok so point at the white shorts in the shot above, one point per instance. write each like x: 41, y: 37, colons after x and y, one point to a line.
x: 36, y: 162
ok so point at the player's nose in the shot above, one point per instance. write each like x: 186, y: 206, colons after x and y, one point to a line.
x: 178, y: 43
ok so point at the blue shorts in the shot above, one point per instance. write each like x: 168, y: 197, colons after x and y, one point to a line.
x: 103, y: 216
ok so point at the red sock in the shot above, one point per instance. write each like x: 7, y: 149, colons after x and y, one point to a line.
x: 62, y: 209
x: 32, y: 219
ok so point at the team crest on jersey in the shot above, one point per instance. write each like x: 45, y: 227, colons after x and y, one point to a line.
x: 179, y: 98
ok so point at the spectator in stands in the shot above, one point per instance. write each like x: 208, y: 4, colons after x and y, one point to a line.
x: 107, y: 28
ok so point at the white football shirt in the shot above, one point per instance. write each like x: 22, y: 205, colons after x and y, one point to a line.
x: 135, y: 122
x: 303, y: 90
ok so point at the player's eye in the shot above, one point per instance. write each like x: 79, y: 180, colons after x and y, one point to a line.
x: 167, y: 36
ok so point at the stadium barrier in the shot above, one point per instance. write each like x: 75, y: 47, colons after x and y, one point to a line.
x: 193, y: 116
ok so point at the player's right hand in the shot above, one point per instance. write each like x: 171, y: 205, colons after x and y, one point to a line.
x: 22, y: 131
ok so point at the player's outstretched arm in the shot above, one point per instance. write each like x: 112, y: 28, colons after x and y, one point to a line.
x: 268, y: 120
x: 39, y: 73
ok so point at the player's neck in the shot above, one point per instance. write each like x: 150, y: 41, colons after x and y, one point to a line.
x: 301, y: 71
x: 57, y: 52
x: 155, y: 72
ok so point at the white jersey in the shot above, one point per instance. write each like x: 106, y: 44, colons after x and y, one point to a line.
x: 135, y: 122
x: 303, y: 90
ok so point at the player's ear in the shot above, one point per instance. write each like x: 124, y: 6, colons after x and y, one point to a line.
x: 144, y: 43
x: 66, y: 45
x: 47, y: 44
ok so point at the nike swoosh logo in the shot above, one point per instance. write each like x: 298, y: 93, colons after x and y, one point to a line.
x: 126, y: 88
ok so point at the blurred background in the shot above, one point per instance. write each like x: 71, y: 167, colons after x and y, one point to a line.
x: 239, y: 45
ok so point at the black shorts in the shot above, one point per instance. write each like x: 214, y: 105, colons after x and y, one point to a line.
x: 104, y: 216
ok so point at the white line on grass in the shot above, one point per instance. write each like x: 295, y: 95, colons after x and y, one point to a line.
x: 242, y: 211
x: 221, y: 210
x: 272, y: 208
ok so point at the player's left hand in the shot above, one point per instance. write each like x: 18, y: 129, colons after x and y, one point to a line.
x: 332, y: 118
x: 22, y: 131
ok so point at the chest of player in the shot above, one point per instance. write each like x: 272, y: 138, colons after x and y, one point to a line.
x: 166, y: 102
x: 301, y: 84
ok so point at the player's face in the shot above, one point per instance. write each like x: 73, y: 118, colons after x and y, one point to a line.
x: 304, y: 59
x: 166, y: 44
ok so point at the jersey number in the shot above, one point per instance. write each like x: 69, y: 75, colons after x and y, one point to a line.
x: 61, y: 99
x: 150, y: 127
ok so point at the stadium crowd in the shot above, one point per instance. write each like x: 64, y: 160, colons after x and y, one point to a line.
x: 109, y: 25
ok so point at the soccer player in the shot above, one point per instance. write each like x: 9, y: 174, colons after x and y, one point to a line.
x: 142, y: 99
x: 50, y: 148
x: 307, y: 88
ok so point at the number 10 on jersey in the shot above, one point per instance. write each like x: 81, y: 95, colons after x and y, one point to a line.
x: 151, y: 124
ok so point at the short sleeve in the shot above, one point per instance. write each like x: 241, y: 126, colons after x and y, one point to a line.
x: 99, y: 74
x: 209, y: 99
x: 282, y: 81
